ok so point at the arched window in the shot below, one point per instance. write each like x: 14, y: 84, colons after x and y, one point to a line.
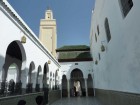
x: 95, y: 37
x: 126, y: 6
x: 50, y: 74
x: 99, y: 56
x: 107, y: 30
x: 98, y: 30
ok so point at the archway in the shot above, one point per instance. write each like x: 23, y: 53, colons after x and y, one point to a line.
x: 11, y: 78
x: 31, y: 77
x: 50, y: 82
x: 15, y: 54
x: 45, y: 82
x: 77, y: 88
x: 53, y: 83
x: 46, y: 76
x: 77, y: 83
x: 12, y: 72
x: 56, y: 79
x: 38, y: 78
x: 90, y: 85
x: 64, y: 86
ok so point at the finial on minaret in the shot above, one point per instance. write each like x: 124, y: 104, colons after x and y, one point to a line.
x: 48, y: 8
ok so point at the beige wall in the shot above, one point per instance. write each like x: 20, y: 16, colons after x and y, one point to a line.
x: 48, y: 31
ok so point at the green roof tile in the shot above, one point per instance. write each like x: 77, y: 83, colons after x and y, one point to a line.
x: 73, y: 48
x: 74, y: 55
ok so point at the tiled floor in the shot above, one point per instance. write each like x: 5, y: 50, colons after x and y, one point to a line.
x: 77, y: 101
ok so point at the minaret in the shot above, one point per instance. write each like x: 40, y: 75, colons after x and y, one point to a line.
x: 48, y: 32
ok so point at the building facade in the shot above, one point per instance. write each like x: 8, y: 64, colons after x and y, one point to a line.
x: 76, y: 70
x: 48, y: 32
x: 114, y: 43
x: 25, y: 64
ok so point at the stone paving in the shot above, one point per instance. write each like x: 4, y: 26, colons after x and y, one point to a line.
x: 77, y: 101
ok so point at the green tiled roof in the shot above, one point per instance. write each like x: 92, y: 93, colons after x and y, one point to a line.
x: 74, y: 55
x: 73, y: 48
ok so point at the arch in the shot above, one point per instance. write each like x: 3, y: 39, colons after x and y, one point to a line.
x: 77, y: 88
x: 77, y: 81
x: 50, y: 84
x: 76, y: 73
x: 45, y: 81
x: 53, y: 81
x: 45, y: 76
x: 64, y: 86
x: 31, y: 78
x: 30, y: 75
x: 38, y: 73
x: 38, y: 79
x: 12, y: 72
x: 50, y: 74
x: 90, y: 85
x: 15, y: 54
x: 16, y: 50
x: 56, y: 79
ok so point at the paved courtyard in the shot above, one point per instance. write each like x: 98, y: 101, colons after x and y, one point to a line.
x: 77, y: 101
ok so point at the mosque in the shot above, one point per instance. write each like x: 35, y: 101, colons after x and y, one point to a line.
x: 108, y: 69
x: 32, y: 66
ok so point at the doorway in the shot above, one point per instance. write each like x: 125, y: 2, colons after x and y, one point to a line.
x: 77, y: 88
x: 76, y: 83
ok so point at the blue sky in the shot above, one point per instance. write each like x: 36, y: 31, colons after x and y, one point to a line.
x: 73, y: 18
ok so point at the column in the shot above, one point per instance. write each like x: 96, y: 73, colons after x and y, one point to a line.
x: 68, y: 87
x: 86, y: 86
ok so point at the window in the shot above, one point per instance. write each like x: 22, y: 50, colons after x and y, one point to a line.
x: 95, y: 37
x: 99, y: 56
x: 50, y: 74
x: 107, y: 29
x: 49, y: 15
x: 126, y: 6
x: 98, y: 29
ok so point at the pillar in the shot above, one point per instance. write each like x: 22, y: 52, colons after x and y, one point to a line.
x: 68, y: 87
x: 86, y: 86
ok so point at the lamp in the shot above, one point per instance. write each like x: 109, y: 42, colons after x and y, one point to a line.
x: 49, y: 62
x: 23, y: 39
x: 102, y: 46
x: 96, y: 62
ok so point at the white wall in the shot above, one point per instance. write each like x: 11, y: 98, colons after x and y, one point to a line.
x: 10, y: 31
x: 68, y: 67
x: 119, y: 67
